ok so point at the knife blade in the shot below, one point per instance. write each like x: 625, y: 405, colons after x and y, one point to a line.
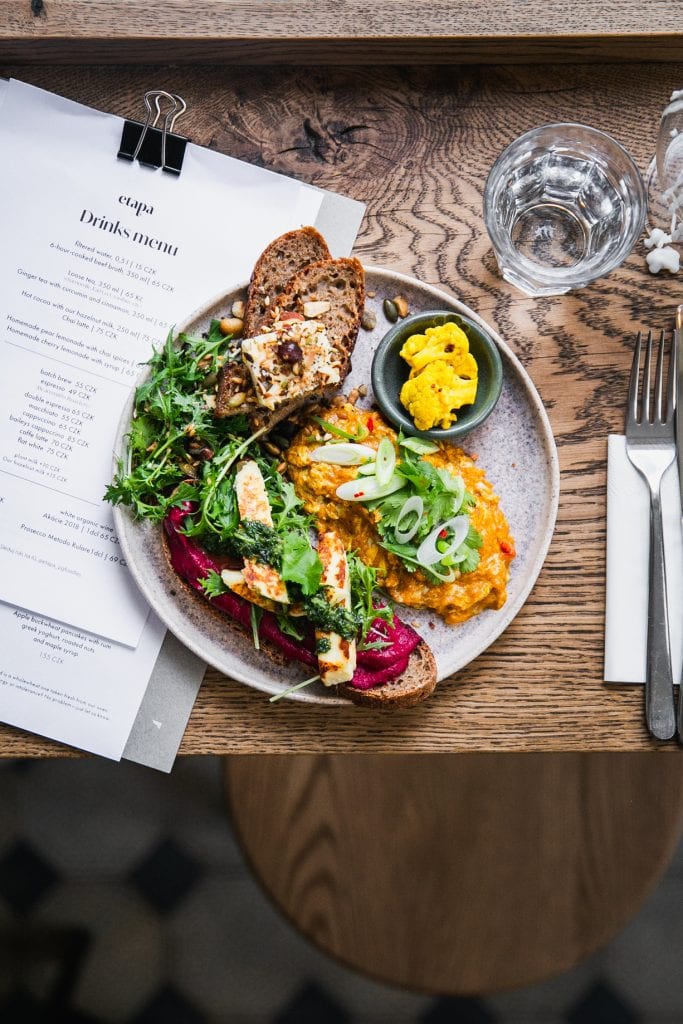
x: 678, y: 367
x: 678, y: 363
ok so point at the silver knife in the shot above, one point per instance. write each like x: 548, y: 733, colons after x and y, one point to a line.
x: 678, y: 363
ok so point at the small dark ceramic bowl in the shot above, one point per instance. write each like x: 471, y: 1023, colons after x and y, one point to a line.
x: 390, y: 371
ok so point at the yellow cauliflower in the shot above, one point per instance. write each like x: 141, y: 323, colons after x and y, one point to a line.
x: 447, y: 342
x: 443, y: 376
x: 431, y: 396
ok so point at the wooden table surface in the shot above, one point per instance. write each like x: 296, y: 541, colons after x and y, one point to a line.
x: 353, y: 32
x: 415, y: 144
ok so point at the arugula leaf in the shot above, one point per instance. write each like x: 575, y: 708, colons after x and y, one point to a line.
x: 173, y: 423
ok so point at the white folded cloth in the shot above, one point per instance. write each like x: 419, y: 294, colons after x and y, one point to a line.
x: 628, y: 546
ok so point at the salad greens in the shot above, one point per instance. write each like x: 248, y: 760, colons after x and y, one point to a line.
x: 174, y: 429
x: 180, y: 452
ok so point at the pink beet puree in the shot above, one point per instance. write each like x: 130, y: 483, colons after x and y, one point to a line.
x: 193, y: 564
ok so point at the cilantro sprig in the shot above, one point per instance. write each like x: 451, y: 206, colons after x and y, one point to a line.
x: 444, y: 496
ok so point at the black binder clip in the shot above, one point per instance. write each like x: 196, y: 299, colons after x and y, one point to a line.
x: 156, y: 146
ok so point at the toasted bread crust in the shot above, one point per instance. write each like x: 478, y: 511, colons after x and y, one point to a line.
x: 416, y: 683
x: 275, y: 267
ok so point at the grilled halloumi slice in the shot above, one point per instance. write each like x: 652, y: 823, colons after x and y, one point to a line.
x: 253, y: 505
x: 235, y: 581
x: 338, y: 663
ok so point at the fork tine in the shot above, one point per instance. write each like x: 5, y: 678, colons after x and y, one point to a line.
x: 647, y: 381
x: 659, y: 381
x: 673, y: 380
x: 632, y: 405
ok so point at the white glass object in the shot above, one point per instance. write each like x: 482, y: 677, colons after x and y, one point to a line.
x: 665, y: 174
x: 563, y: 205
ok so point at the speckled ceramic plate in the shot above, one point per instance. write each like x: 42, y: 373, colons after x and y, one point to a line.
x: 514, y: 446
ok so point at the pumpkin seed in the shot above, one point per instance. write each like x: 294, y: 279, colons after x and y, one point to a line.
x: 368, y: 320
x: 401, y: 303
x: 390, y: 311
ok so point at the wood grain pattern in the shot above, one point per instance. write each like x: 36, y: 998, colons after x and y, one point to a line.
x: 458, y: 874
x: 415, y: 144
x: 387, y: 31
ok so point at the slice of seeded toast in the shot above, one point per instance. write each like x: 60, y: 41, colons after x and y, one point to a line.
x: 275, y: 267
x: 338, y: 285
x: 413, y: 686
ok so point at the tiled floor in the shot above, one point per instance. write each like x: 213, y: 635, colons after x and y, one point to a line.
x: 124, y: 898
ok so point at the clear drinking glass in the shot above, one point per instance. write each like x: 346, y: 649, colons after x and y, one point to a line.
x: 563, y: 204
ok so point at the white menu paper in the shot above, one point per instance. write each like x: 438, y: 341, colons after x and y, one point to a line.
x: 100, y: 257
x: 73, y: 686
x: 105, y: 256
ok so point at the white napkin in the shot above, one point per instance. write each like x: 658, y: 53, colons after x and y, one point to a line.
x: 628, y: 546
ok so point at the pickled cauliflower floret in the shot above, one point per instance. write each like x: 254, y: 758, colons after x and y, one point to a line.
x: 443, y: 376
x: 433, y: 394
x: 447, y: 342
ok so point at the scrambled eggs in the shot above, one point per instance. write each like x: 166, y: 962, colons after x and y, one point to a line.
x: 443, y: 376
x: 316, y: 484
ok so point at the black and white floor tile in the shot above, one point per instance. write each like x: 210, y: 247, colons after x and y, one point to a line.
x: 124, y: 899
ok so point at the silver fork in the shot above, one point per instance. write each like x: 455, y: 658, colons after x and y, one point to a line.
x: 651, y: 447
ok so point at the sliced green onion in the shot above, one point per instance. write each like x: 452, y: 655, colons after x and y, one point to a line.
x: 385, y: 461
x: 448, y: 577
x: 368, y: 469
x: 361, y: 433
x: 343, y: 454
x: 428, y: 553
x: 368, y: 488
x: 418, y: 445
x: 413, y: 506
